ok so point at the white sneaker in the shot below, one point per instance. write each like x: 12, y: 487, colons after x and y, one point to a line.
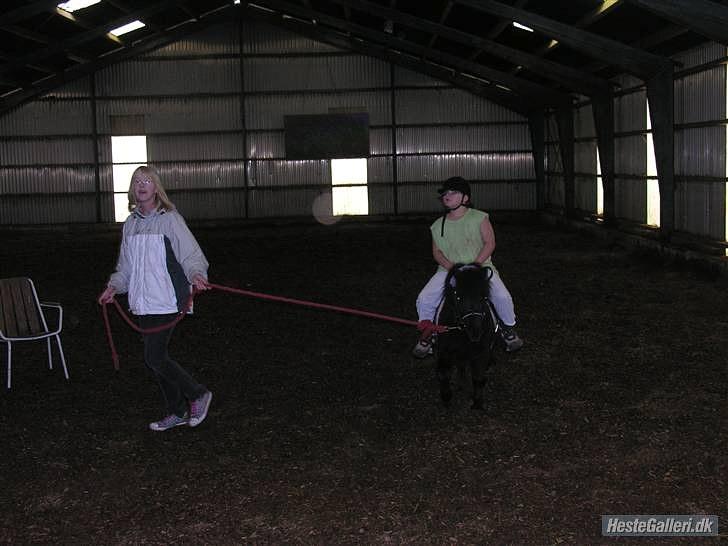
x: 511, y: 339
x: 422, y: 349
x: 169, y: 422
x: 198, y: 409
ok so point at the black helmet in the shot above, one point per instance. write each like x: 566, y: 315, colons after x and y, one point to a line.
x: 455, y: 183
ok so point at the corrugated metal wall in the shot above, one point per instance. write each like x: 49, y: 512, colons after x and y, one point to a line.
x: 700, y: 147
x: 700, y: 142
x: 212, y: 106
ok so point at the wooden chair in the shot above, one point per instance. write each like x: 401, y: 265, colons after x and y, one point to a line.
x: 22, y: 318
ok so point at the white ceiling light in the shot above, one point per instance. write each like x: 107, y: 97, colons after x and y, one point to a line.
x: 127, y: 28
x: 522, y: 27
x: 75, y: 5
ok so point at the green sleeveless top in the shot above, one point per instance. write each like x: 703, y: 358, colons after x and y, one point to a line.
x: 461, y: 241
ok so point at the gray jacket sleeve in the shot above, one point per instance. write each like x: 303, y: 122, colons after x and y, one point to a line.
x: 185, y: 247
x: 119, y: 280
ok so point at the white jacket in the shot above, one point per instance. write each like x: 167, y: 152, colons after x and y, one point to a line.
x: 158, y: 259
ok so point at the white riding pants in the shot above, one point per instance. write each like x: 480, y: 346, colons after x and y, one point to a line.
x: 431, y: 295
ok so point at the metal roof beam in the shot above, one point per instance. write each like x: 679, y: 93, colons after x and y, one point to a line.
x: 594, y: 15
x: 498, y: 29
x: 338, y: 39
x: 79, y: 39
x: 445, y: 12
x: 25, y: 33
x: 26, y: 12
x: 60, y: 78
x: 533, y: 92
x: 702, y: 16
x: 571, y: 78
x: 634, y: 61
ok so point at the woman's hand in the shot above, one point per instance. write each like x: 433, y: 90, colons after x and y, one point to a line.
x: 200, y: 283
x: 107, y: 296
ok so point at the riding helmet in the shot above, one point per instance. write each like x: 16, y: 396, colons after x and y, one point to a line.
x: 455, y: 183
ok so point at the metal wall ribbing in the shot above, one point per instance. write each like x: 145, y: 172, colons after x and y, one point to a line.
x: 212, y: 106
x: 700, y: 147
x: 700, y: 142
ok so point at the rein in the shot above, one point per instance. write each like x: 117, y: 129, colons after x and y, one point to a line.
x: 250, y: 293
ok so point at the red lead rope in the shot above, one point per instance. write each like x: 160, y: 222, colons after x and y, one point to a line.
x: 180, y: 316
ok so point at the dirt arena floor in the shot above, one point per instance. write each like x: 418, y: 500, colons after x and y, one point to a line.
x: 323, y: 429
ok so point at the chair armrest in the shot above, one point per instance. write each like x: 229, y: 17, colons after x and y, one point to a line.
x: 55, y: 305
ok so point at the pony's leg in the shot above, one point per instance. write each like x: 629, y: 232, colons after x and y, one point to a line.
x: 444, y: 375
x: 477, y: 371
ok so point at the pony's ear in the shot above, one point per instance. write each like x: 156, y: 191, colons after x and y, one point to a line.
x: 454, y: 270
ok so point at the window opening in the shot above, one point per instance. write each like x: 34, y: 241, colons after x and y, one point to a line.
x: 349, y: 191
x: 600, y: 187
x: 127, y: 153
x: 653, y: 185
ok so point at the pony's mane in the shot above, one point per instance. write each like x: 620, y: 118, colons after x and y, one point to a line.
x: 456, y: 270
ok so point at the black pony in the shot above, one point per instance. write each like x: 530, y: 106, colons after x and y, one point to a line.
x: 471, y: 329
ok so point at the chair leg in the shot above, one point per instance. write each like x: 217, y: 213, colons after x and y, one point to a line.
x: 10, y: 356
x: 50, y: 356
x: 63, y: 358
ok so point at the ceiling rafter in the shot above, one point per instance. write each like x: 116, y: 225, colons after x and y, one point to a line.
x: 337, y: 39
x: 39, y: 49
x: 592, y: 17
x: 80, y: 39
x: 567, y: 76
x: 141, y: 46
x: 30, y: 10
x: 443, y: 16
x: 86, y: 25
x: 529, y: 90
x: 702, y: 16
x: 498, y: 29
x: 639, y: 63
x: 39, y: 38
x: 124, y: 8
x: 28, y: 34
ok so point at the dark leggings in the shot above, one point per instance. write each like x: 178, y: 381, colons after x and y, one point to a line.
x: 178, y: 386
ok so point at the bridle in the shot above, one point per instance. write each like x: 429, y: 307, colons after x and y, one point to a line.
x: 484, y: 307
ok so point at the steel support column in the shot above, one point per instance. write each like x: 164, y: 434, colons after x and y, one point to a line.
x: 660, y: 95
x: 603, y: 112
x: 538, y: 146
x: 565, y: 122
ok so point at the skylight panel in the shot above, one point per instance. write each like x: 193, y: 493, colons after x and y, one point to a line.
x: 134, y: 25
x: 522, y: 27
x: 75, y: 5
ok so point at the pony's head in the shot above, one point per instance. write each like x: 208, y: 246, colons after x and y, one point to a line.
x: 467, y: 289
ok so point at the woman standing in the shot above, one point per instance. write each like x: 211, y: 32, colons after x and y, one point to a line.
x: 158, y: 262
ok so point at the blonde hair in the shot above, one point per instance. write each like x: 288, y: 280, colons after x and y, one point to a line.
x: 160, y: 197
